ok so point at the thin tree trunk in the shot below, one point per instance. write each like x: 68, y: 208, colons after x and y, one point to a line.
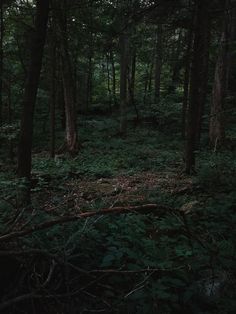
x: 158, y: 64
x: 75, y: 78
x: 109, y: 82
x: 89, y: 81
x: 231, y: 79
x: 204, y: 57
x: 123, y: 82
x: 60, y: 99
x: 9, y: 96
x: 150, y: 79
x: 152, y: 63
x: 132, y: 79
x: 53, y: 99
x: 113, y: 78
x: 198, y: 81
x: 70, y: 112
x: 131, y: 84
x: 177, y: 62
x: 186, y: 80
x: 217, y: 127
x: 1, y: 59
x: 147, y: 81
x: 30, y: 93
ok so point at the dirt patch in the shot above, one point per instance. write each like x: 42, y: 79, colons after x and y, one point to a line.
x: 121, y: 190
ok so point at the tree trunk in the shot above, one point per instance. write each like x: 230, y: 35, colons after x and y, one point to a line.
x: 109, y: 82
x: 147, y: 81
x: 113, y: 78
x: 158, y: 64
x: 176, y: 63
x: 231, y: 77
x: 150, y: 79
x: 123, y: 81
x: 217, y: 128
x: 131, y: 78
x: 9, y: 96
x: 53, y: 99
x: 89, y: 81
x: 67, y: 80
x: 1, y: 59
x: 30, y: 93
x: 198, y: 81
x: 186, y: 80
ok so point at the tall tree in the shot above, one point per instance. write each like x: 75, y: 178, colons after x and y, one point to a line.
x: 217, y: 128
x: 131, y: 77
x: 67, y: 79
x: 176, y: 60
x: 113, y: 69
x: 123, y: 81
x: 187, y: 67
x: 53, y: 55
x: 30, y: 93
x: 1, y: 59
x: 158, y: 63
x: 198, y: 80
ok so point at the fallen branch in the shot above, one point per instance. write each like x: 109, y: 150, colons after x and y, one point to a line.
x: 18, y: 299
x: 88, y: 214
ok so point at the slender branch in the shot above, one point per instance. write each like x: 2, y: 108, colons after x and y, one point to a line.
x: 20, y: 298
x: 146, y: 270
x: 67, y: 219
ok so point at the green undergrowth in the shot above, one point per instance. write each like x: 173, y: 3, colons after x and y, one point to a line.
x: 138, y: 263
x: 180, y: 259
x: 105, y: 154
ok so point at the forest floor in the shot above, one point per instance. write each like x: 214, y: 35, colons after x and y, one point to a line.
x: 121, y: 190
x: 178, y: 255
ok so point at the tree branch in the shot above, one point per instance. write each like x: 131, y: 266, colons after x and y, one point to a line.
x: 67, y: 219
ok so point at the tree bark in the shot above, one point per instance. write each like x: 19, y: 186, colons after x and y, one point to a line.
x: 30, y: 93
x: 67, y: 80
x: 217, y: 127
x: 1, y: 59
x: 186, y: 80
x: 177, y: 63
x: 198, y: 81
x: 123, y: 81
x: 158, y: 64
x: 113, y: 78
x: 109, y: 82
x: 131, y: 81
x: 89, y: 80
x: 53, y: 99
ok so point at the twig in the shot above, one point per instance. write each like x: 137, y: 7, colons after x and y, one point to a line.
x: 139, y: 286
x: 49, y: 276
x: 20, y: 298
x: 146, y: 270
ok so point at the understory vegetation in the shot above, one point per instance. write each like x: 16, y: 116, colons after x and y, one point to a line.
x: 175, y: 257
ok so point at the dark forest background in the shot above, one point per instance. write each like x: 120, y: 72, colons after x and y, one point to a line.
x: 117, y: 156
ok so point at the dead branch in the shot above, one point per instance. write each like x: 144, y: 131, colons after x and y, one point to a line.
x: 67, y: 219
